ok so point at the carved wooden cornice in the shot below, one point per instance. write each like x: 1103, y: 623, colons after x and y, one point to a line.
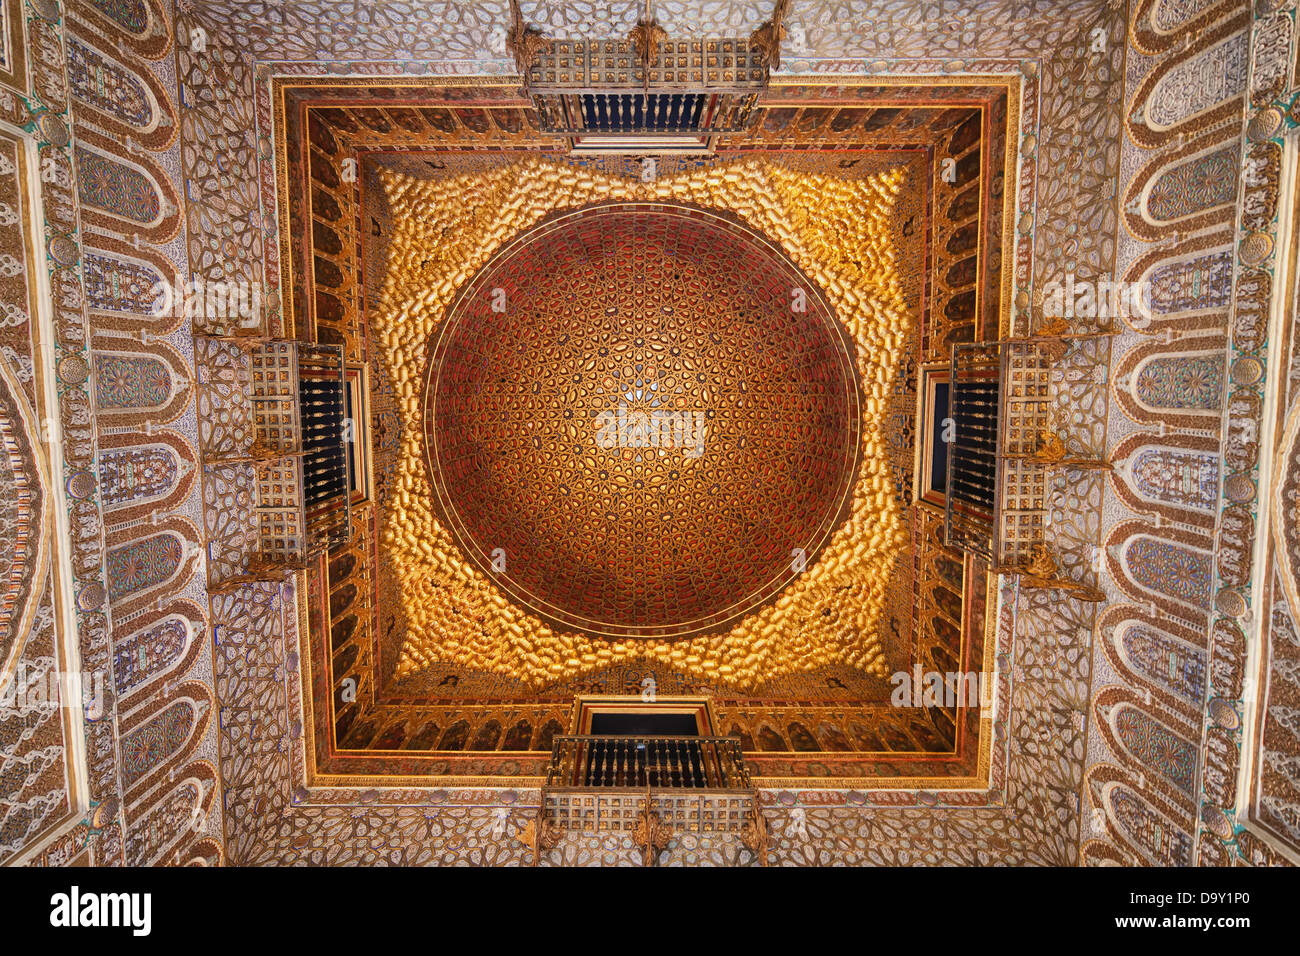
x: 525, y: 42
x: 647, y: 36
x: 767, y: 36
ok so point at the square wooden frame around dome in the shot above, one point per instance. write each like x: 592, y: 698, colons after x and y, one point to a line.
x: 785, y: 123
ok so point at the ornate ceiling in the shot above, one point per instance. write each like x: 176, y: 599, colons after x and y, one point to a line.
x: 642, y: 421
x: 597, y: 540
x: 311, y: 721
x: 408, y: 31
x: 469, y: 660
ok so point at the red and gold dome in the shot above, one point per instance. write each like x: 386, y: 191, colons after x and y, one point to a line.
x: 641, y: 420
